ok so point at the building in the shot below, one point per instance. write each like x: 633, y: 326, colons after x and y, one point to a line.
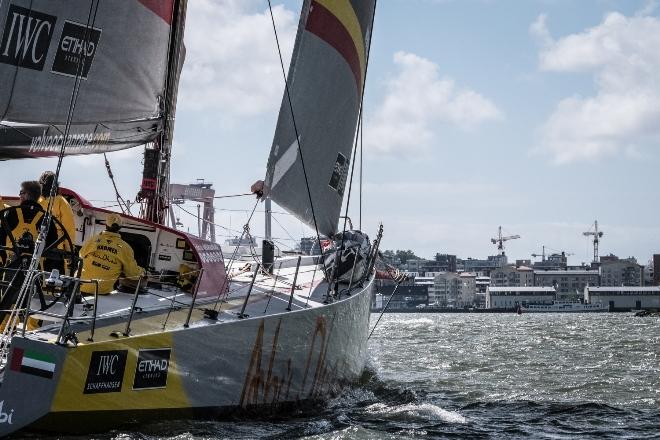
x: 569, y: 283
x: 623, y: 298
x: 512, y: 276
x: 512, y: 297
x: 620, y: 272
x: 405, y: 297
x: 656, y: 269
x: 483, y: 267
x: 445, y: 262
x: 447, y: 287
x: 466, y: 296
x: 426, y: 281
x: 553, y: 262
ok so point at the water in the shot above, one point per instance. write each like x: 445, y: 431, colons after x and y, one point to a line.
x: 480, y: 376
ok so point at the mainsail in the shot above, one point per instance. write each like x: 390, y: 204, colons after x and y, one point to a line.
x: 325, y: 84
x: 118, y: 50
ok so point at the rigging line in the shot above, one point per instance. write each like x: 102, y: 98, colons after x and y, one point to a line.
x: 120, y: 199
x: 210, y: 222
x: 350, y: 185
x: 284, y: 229
x: 293, y: 119
x: 46, y: 220
x: 361, y: 167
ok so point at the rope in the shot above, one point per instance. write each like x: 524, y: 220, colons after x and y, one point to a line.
x: 293, y: 119
x: 45, y: 223
x: 386, y: 305
x: 123, y: 205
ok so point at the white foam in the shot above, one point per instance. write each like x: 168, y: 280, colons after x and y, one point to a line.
x: 426, y: 411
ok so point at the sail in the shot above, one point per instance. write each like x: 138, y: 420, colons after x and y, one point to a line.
x: 325, y: 84
x: 118, y: 49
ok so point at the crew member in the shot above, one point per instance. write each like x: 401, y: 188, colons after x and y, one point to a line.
x: 24, y: 223
x: 61, y: 208
x: 106, y: 257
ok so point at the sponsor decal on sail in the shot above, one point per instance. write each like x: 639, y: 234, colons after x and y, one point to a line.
x: 151, y: 369
x: 76, y: 49
x: 339, y: 174
x: 32, y: 362
x: 75, y: 143
x: 106, y: 372
x: 26, y: 38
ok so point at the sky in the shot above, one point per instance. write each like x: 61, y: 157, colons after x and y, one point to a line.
x: 539, y: 116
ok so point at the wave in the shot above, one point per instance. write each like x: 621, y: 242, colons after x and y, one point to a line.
x: 423, y: 411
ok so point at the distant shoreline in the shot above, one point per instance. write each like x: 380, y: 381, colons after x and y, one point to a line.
x: 478, y: 311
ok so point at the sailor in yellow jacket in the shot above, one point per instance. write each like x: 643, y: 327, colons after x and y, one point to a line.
x: 61, y: 208
x: 106, y: 257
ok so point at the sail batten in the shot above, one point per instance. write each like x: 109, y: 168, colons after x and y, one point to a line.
x: 318, y: 117
x: 116, y: 50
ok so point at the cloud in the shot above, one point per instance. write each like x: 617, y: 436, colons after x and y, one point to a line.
x: 232, y: 64
x: 621, y: 53
x: 416, y: 100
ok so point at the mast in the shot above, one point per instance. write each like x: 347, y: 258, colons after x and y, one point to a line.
x: 154, y: 190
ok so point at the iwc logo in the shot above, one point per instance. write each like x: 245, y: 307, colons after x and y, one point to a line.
x: 26, y: 38
x: 106, y: 372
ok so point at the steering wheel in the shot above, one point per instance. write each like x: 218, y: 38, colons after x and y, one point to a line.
x: 19, y: 252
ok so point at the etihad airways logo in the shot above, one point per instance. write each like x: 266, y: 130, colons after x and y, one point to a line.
x: 76, y: 49
x: 26, y: 38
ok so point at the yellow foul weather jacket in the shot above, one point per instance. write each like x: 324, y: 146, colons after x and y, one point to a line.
x: 63, y: 212
x: 105, y: 257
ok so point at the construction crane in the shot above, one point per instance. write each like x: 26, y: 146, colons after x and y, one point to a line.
x: 542, y: 254
x: 499, y: 241
x: 597, y: 235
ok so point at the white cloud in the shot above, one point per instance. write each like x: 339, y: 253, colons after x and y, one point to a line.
x: 232, y: 65
x: 416, y: 100
x: 621, y: 53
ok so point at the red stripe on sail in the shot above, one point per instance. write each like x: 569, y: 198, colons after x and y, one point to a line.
x: 326, y: 26
x: 16, y: 359
x: 162, y: 8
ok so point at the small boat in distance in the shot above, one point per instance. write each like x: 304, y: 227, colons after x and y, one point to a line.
x: 563, y: 307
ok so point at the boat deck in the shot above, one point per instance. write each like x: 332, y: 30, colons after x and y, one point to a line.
x: 166, y: 307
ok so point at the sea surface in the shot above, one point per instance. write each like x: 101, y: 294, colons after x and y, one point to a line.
x: 434, y: 376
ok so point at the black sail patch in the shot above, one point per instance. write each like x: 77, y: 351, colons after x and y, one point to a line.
x: 106, y: 372
x: 151, y: 369
x: 26, y: 38
x: 339, y: 172
x: 76, y: 49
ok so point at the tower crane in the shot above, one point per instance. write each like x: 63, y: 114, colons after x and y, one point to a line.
x: 542, y: 254
x: 499, y: 240
x: 597, y: 235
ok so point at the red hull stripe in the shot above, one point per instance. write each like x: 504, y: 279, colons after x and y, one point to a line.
x: 17, y: 359
x: 326, y: 26
x: 162, y: 8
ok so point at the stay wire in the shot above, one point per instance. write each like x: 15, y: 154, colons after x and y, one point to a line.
x: 120, y: 200
x: 293, y: 119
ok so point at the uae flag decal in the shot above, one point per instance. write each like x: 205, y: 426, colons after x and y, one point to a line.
x: 34, y: 363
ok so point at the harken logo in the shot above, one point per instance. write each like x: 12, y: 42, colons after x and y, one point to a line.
x: 151, y: 369
x: 26, y: 38
x: 76, y: 50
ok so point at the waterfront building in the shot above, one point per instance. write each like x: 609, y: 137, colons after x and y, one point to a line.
x: 447, y: 288
x: 466, y: 296
x: 405, y: 297
x: 620, y: 272
x: 569, y: 283
x: 656, y: 269
x: 512, y: 276
x: 513, y: 296
x: 624, y: 298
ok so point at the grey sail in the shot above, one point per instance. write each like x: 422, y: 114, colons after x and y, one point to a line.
x: 118, y: 50
x: 325, y: 84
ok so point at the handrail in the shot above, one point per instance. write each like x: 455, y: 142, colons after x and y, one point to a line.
x: 192, y: 304
x: 247, y: 297
x: 127, y: 331
x: 293, y: 286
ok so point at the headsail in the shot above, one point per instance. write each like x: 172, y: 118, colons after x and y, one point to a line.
x: 120, y: 50
x: 325, y: 83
